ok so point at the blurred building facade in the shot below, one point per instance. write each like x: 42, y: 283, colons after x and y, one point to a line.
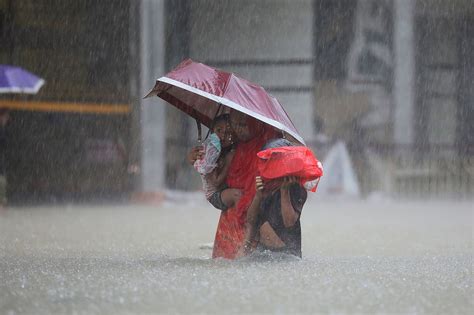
x: 71, y: 140
x: 408, y: 109
x: 391, y: 78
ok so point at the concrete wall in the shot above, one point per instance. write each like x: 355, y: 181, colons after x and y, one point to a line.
x: 260, y: 30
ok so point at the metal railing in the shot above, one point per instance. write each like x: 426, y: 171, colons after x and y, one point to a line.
x: 403, y: 171
x: 437, y: 171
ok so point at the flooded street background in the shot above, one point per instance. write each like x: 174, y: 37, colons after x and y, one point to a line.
x: 358, y: 257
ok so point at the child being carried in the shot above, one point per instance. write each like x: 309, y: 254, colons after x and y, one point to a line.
x: 215, y: 163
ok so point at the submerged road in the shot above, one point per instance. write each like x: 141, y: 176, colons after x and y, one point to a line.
x: 358, y: 257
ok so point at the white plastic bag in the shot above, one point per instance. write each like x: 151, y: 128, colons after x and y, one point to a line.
x: 212, y: 151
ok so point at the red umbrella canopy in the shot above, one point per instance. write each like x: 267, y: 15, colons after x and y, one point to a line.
x: 200, y: 90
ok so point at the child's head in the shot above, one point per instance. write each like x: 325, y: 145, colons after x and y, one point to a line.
x: 221, y: 128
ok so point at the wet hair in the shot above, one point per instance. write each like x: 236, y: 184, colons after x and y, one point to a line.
x: 222, y: 117
x: 276, y: 143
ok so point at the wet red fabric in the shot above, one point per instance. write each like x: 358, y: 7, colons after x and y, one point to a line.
x: 296, y: 161
x: 242, y: 172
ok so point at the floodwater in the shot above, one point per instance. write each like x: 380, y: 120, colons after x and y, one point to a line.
x: 358, y: 257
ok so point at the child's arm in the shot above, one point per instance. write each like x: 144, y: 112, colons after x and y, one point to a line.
x: 288, y: 212
x: 251, y: 219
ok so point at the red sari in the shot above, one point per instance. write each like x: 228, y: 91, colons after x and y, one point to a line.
x: 242, y: 172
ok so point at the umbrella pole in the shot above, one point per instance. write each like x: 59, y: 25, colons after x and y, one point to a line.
x: 212, y: 126
x: 199, y: 131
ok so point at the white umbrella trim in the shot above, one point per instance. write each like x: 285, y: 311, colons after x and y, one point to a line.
x: 233, y: 105
x: 31, y: 90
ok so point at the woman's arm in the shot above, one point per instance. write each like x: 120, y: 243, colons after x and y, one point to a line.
x: 219, y: 176
x: 289, y: 214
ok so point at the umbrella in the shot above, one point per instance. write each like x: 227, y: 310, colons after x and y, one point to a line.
x: 17, y: 80
x: 200, y: 91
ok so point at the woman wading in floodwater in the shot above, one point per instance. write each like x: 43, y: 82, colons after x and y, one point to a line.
x: 250, y: 135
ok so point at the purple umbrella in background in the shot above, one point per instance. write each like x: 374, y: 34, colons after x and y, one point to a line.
x: 17, y: 80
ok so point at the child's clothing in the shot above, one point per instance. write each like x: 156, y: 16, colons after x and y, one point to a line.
x: 205, y: 166
x: 212, y: 151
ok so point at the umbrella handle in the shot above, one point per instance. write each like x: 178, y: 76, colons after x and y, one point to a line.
x: 199, y: 131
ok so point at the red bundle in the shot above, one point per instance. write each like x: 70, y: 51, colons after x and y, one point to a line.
x: 298, y: 161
